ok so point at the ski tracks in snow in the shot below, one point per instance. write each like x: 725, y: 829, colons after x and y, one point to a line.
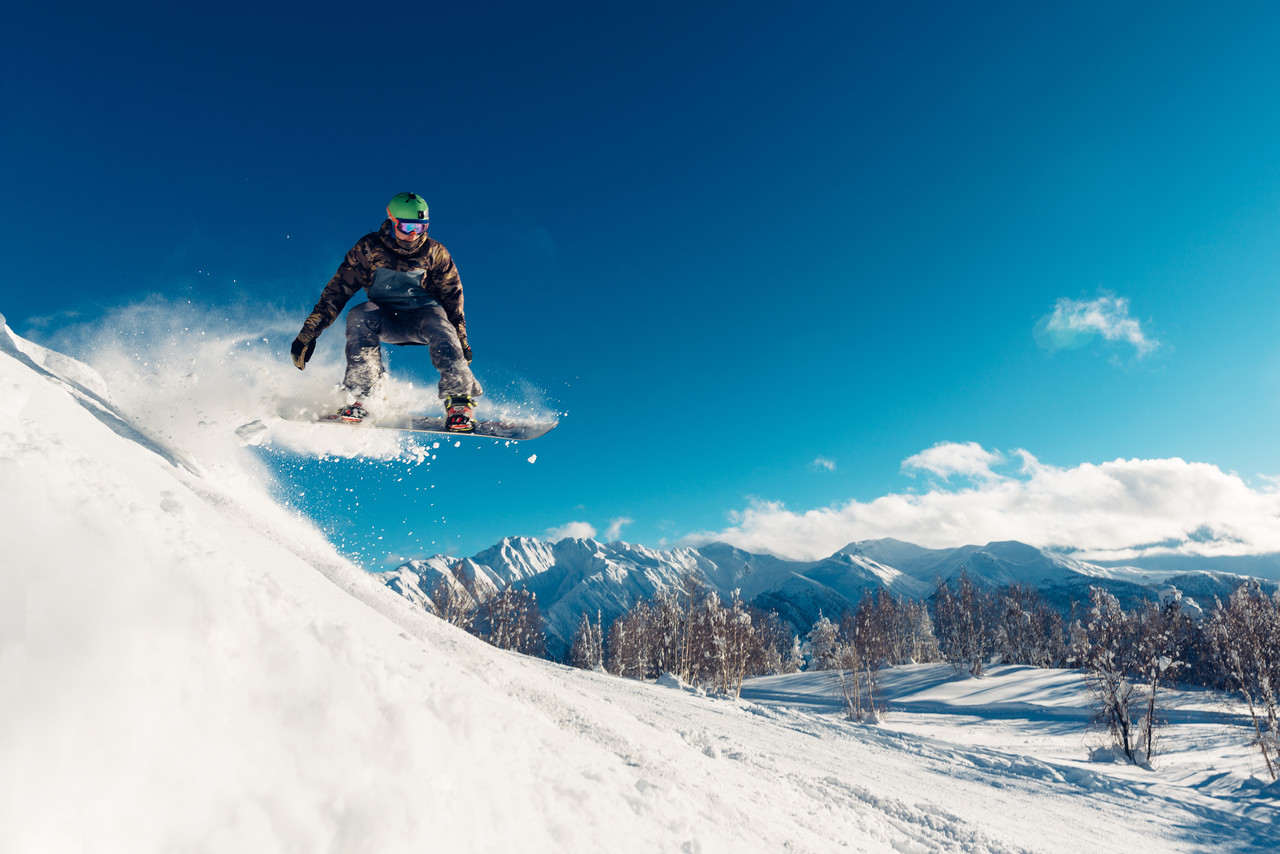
x: 1182, y: 819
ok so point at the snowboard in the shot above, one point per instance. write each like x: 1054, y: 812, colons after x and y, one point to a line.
x: 516, y: 431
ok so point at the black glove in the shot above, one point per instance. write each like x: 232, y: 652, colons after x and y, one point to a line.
x: 301, y: 351
x: 466, y: 350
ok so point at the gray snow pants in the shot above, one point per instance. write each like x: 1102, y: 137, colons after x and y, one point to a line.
x: 368, y: 327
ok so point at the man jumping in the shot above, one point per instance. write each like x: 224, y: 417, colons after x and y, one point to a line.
x: 415, y: 297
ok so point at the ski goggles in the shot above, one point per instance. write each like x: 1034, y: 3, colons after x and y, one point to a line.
x: 411, y: 226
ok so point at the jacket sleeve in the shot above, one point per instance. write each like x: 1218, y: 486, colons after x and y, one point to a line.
x: 448, y: 289
x: 353, y: 274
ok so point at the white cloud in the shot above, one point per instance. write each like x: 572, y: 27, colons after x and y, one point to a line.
x: 1118, y: 509
x: 947, y: 458
x: 1074, y: 322
x: 824, y: 463
x: 614, y: 531
x: 576, y: 530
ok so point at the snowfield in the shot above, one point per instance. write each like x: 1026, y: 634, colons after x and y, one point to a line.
x: 186, y: 665
x: 1032, y: 726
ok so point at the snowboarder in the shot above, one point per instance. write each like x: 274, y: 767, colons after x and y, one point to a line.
x: 415, y: 297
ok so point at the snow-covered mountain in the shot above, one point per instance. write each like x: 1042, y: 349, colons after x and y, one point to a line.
x: 576, y: 576
x: 571, y: 577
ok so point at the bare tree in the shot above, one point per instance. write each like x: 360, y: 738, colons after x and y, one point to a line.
x: 586, y: 650
x: 1077, y: 642
x: 630, y: 643
x: 1155, y: 659
x: 979, y: 625
x: 794, y: 659
x: 617, y: 641
x: 664, y: 633
x: 1027, y: 631
x: 1051, y: 637
x: 697, y: 639
x: 1106, y: 658
x: 512, y: 620
x: 739, y: 644
x: 946, y: 624
x: 1015, y: 632
x: 922, y: 643
x: 888, y: 617
x: 709, y: 643
x: 710, y: 650
x: 850, y: 666
x: 856, y: 683
x: 873, y: 629
x: 822, y: 639
x: 1243, y: 637
x: 772, y: 643
x: 964, y: 623
x: 454, y: 606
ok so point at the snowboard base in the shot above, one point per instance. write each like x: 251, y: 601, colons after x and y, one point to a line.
x: 516, y: 431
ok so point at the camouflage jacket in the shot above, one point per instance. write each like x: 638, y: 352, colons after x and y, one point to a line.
x: 381, y: 249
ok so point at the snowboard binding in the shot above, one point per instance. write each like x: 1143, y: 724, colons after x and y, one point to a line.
x: 460, y: 414
x: 351, y: 414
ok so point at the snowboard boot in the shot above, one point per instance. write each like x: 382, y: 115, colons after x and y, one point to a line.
x: 459, y: 414
x: 352, y: 414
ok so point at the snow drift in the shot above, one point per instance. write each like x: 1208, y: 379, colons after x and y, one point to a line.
x: 189, y: 669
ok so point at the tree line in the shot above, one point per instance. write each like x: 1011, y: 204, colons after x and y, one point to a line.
x: 1127, y: 656
x: 510, y: 620
x: 692, y: 634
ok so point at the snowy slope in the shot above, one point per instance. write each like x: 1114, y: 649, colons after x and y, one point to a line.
x: 187, y: 666
x: 1033, y: 724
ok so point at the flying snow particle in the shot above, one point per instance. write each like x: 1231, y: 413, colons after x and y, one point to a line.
x: 533, y: 458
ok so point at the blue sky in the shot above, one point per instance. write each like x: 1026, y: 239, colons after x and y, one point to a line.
x: 729, y: 241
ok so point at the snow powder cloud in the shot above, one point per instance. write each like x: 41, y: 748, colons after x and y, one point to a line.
x: 201, y: 372
x: 1118, y: 510
x: 824, y: 464
x: 1073, y: 323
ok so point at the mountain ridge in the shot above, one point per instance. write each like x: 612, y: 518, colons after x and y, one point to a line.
x: 576, y: 576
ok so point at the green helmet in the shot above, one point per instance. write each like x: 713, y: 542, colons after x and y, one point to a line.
x: 407, y: 206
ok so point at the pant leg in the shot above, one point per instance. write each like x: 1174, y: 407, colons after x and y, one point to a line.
x: 368, y: 326
x: 364, y: 353
x: 446, y: 354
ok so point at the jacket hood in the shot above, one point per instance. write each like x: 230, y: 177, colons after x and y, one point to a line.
x: 398, y: 246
